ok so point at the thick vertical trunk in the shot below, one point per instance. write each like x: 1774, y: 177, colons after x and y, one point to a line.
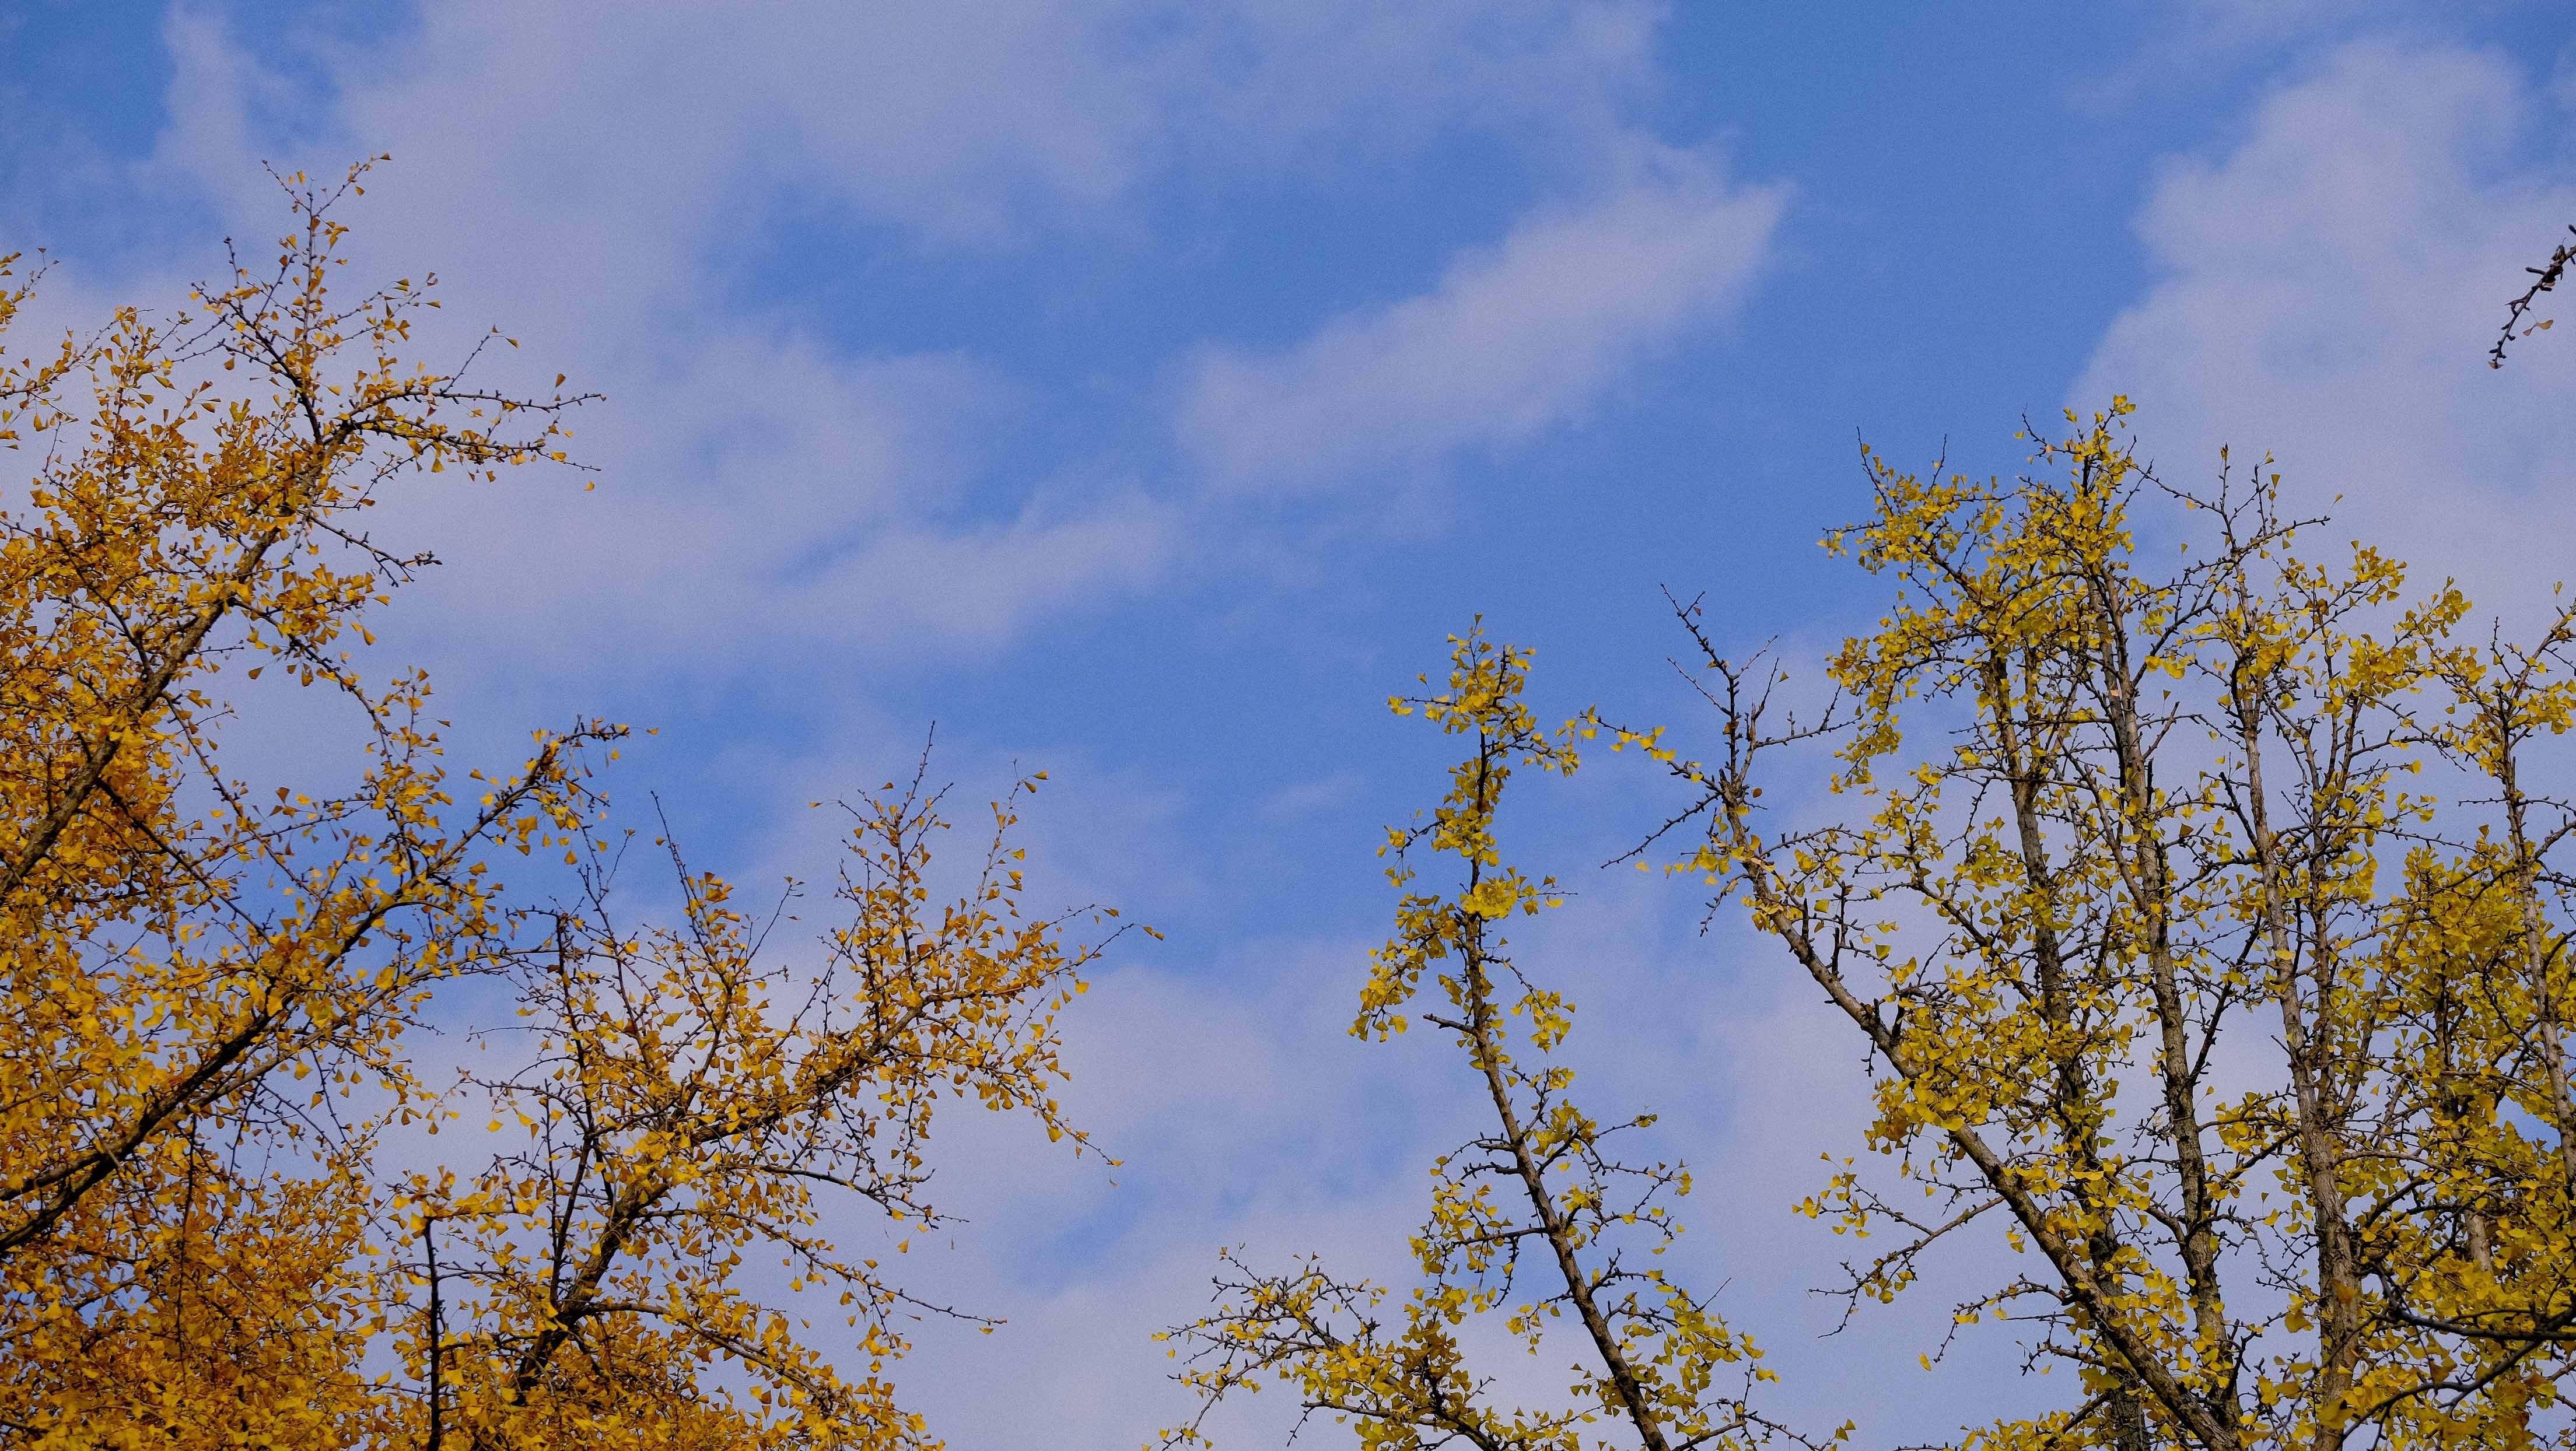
x: 2139, y: 839
x: 2077, y: 1101
x: 2537, y: 955
x: 2338, y: 1289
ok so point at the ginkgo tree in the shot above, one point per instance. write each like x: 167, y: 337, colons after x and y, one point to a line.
x: 206, y: 982
x: 2207, y: 927
x: 1535, y: 1221
x: 693, y: 1098
x: 186, y: 958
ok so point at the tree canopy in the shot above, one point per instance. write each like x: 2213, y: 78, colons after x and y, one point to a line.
x: 2199, y: 896
x: 212, y: 980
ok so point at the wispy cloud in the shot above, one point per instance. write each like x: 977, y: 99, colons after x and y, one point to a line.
x: 600, y: 184
x: 1530, y: 332
x: 2328, y: 290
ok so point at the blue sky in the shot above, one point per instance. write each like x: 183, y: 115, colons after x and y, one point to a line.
x: 1142, y: 391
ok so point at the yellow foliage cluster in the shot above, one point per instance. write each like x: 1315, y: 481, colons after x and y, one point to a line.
x: 2208, y: 929
x: 206, y: 985
x: 1536, y: 1196
x: 2169, y: 832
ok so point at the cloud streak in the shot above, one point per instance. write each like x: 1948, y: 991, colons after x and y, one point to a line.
x: 1528, y: 333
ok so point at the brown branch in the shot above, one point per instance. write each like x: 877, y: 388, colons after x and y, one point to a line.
x: 2544, y: 279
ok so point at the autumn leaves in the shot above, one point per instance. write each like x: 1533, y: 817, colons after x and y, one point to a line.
x: 2205, y: 921
x: 1534, y: 1220
x: 2179, y: 977
x: 211, y: 988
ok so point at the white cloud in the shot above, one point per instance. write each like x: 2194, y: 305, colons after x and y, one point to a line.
x: 1528, y: 333
x: 951, y: 120
x: 2328, y: 291
x: 766, y: 493
x: 598, y: 182
x: 961, y: 123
